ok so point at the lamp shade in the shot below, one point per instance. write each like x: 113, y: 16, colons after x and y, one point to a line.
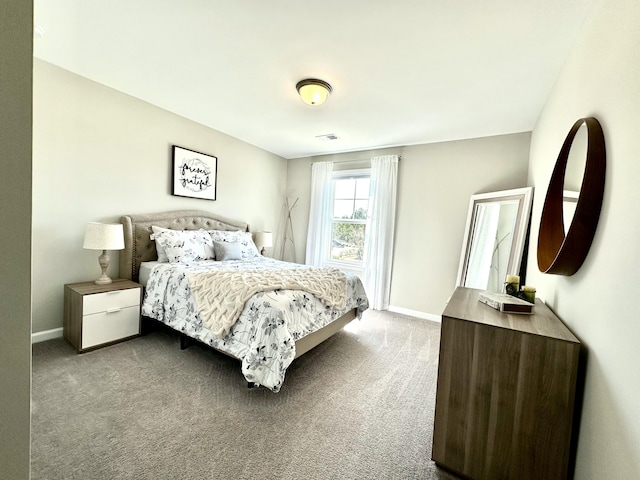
x: 313, y: 91
x: 103, y: 236
x: 264, y: 239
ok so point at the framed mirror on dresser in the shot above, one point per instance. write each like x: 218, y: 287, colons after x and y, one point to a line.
x: 495, y: 235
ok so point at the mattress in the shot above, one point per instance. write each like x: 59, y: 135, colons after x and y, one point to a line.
x: 145, y: 270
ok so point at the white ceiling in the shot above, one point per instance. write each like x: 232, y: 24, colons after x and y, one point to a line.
x: 403, y: 72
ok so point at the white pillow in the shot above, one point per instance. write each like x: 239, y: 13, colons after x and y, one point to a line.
x: 183, y: 246
x: 245, y: 239
x: 162, y: 256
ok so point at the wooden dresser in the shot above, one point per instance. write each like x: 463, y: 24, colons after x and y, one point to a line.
x: 505, y: 395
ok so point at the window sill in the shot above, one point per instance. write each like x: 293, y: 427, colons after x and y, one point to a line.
x: 351, y: 267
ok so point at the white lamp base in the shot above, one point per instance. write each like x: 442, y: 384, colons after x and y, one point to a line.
x: 104, y: 260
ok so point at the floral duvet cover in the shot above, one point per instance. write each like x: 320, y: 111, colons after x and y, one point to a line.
x: 263, y: 336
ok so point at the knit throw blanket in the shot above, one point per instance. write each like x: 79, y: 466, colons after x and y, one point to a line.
x: 220, y: 295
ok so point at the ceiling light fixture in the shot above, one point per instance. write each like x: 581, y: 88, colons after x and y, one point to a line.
x: 313, y: 91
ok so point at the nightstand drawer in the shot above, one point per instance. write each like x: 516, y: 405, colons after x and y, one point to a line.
x: 117, y: 299
x: 110, y: 326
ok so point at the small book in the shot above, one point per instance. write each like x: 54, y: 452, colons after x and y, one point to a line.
x: 505, y: 302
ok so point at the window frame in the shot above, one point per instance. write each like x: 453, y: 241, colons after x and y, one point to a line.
x: 353, y: 265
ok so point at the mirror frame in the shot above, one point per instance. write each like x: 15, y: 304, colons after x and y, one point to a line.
x: 525, y: 198
x: 560, y: 253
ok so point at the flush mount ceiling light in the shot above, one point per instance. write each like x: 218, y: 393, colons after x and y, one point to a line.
x: 313, y: 91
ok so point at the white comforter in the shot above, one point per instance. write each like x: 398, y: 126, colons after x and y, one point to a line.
x: 263, y: 336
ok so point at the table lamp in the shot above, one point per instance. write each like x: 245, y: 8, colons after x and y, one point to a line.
x: 103, y: 236
x: 264, y: 240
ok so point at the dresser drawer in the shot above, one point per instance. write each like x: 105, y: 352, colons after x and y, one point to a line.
x: 109, y: 326
x: 104, y: 302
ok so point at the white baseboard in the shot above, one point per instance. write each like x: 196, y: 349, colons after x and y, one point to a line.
x: 46, y: 335
x: 415, y: 313
x: 57, y: 332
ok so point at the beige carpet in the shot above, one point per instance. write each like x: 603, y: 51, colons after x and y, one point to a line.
x: 359, y: 406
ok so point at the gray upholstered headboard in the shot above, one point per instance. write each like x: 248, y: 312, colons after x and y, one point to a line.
x: 138, y: 246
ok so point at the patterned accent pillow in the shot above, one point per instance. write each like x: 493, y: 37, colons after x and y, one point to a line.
x: 162, y: 256
x: 245, y: 239
x: 183, y: 246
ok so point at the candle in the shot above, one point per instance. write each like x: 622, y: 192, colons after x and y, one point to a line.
x: 512, y: 284
x: 529, y: 293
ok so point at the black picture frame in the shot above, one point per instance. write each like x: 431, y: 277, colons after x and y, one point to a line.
x: 194, y: 174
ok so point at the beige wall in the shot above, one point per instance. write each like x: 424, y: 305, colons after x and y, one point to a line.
x: 435, y: 182
x: 602, y: 79
x: 16, y: 33
x: 99, y: 154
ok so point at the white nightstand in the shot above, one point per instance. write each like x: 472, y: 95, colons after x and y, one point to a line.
x: 99, y: 315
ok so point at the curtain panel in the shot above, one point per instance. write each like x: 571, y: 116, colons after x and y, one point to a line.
x: 319, y: 234
x: 378, y: 250
x: 484, y: 242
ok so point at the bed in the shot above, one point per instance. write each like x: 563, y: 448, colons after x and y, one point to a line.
x: 274, y: 326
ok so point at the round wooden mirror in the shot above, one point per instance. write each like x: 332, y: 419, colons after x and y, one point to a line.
x: 559, y: 252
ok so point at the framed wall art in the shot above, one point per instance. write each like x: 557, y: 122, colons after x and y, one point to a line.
x: 194, y: 174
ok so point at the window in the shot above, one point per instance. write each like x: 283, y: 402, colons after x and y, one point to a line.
x: 342, y: 203
x: 349, y: 217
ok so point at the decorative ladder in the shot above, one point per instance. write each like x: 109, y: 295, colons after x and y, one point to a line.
x: 288, y: 229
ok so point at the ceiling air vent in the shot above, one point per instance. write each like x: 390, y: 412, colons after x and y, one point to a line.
x: 327, y: 137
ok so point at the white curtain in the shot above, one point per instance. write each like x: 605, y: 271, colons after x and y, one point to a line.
x: 319, y: 234
x: 483, y: 243
x: 378, y: 249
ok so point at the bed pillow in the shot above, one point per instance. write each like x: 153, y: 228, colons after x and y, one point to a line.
x: 162, y: 256
x: 183, y: 246
x: 248, y: 248
x: 228, y: 250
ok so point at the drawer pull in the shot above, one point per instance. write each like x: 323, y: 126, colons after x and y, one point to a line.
x: 113, y: 310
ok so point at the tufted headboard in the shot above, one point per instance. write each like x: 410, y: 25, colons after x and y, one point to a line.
x: 138, y: 246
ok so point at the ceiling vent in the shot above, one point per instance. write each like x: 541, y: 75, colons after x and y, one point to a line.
x: 327, y: 137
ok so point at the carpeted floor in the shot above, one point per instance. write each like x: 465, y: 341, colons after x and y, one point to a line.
x: 358, y: 406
